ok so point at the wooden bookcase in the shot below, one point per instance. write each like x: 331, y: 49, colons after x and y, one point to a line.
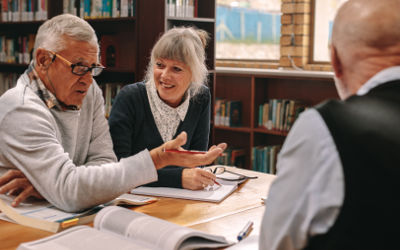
x: 135, y: 36
x: 255, y: 87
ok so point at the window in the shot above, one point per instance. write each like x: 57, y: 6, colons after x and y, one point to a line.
x: 324, y: 15
x: 248, y: 29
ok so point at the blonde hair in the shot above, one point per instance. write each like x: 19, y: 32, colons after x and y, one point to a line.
x: 187, y: 45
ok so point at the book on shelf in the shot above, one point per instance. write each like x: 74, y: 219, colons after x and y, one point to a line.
x: 181, y: 8
x: 264, y: 158
x: 16, y: 49
x: 7, y: 81
x: 121, y: 228
x: 279, y: 114
x: 109, y: 51
x: 110, y: 91
x: 23, y: 10
x: 232, y: 157
x: 227, y: 113
x: 43, y: 215
x: 100, y: 8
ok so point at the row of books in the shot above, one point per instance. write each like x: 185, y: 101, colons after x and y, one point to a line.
x: 264, y: 158
x: 23, y: 10
x: 232, y: 157
x: 279, y: 114
x: 7, y: 81
x: 16, y: 49
x: 227, y: 113
x: 181, y: 8
x: 100, y: 8
x: 110, y: 91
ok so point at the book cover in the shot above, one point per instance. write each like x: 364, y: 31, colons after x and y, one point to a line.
x: 235, y: 114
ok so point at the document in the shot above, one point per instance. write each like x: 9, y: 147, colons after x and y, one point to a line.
x: 43, y: 215
x: 217, y: 194
x: 121, y: 228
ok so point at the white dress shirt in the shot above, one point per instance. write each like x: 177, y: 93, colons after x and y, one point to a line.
x: 307, y: 195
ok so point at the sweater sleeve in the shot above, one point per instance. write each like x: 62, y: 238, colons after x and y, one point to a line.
x: 29, y: 142
x: 100, y: 147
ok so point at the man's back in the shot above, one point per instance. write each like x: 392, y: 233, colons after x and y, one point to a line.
x: 366, y: 132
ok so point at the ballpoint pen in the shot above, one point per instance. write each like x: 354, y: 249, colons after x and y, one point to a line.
x: 245, y: 231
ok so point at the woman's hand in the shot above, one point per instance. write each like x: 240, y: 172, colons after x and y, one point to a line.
x: 197, y: 178
x: 14, y: 182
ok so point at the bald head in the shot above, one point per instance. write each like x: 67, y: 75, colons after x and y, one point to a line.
x: 371, y: 23
x: 365, y: 40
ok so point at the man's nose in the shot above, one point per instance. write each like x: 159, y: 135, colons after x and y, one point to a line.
x: 87, y: 78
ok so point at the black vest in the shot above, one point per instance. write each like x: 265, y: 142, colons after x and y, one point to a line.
x: 366, y: 131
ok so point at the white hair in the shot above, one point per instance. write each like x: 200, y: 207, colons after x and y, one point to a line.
x: 50, y: 33
x: 184, y: 44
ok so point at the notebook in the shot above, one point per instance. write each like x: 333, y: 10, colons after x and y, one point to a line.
x: 217, y: 194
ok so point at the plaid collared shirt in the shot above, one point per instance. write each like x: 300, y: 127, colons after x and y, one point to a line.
x: 40, y: 89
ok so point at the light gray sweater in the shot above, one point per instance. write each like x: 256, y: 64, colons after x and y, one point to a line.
x: 66, y: 155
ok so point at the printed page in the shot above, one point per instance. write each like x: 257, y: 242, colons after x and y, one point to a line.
x: 162, y: 234
x: 38, y: 209
x: 215, y: 195
x: 83, y: 238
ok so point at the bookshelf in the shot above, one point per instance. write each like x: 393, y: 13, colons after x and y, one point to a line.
x: 254, y: 87
x: 132, y: 36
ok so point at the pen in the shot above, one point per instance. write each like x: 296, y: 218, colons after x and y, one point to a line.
x: 185, y: 151
x: 245, y: 231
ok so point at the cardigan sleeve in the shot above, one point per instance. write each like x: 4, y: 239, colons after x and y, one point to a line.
x: 202, y: 130
x: 122, y: 125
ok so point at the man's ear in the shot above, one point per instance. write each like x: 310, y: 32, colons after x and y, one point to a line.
x: 43, y: 59
x: 336, y: 63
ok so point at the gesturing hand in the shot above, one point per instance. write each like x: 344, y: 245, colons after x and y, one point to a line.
x: 14, y: 182
x: 162, y: 159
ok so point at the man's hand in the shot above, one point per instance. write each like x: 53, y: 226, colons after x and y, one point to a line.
x: 197, y: 178
x: 14, y: 182
x: 162, y: 159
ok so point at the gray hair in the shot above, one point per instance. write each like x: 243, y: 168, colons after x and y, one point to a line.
x: 50, y: 33
x: 184, y: 44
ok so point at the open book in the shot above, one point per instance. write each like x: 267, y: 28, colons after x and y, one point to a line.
x: 121, y: 228
x: 43, y: 215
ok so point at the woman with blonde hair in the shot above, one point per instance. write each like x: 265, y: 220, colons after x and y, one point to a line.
x: 173, y: 98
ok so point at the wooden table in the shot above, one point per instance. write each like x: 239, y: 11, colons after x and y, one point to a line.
x: 226, y: 218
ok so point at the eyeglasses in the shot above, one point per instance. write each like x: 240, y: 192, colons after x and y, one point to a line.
x: 224, y: 174
x: 77, y: 68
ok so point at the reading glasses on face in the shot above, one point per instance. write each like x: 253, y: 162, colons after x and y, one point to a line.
x: 79, y: 69
x: 219, y: 170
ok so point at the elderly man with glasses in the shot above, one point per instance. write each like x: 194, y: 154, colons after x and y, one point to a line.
x: 54, y: 138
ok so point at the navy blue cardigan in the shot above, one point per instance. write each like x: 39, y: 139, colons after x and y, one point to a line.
x: 133, y: 128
